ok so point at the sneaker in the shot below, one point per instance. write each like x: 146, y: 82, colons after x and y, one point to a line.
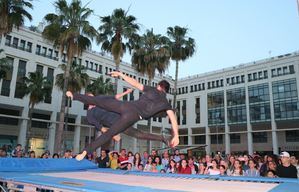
x: 81, y: 156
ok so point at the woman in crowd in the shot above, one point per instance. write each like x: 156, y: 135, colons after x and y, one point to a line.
x: 148, y: 165
x: 237, y: 170
x: 253, y: 169
x: 159, y: 163
x: 213, y: 170
x: 171, y: 167
x: 136, y: 161
x: 184, y: 168
x: 113, y: 160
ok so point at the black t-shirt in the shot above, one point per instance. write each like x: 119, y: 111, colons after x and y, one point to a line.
x: 151, y: 102
x: 103, y: 163
x: 287, y: 172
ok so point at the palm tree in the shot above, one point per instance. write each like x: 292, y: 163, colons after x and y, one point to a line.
x: 78, y: 79
x: 101, y: 86
x: 38, y: 88
x: 150, y: 54
x: 13, y: 14
x: 4, y: 66
x: 114, y: 31
x: 182, y: 48
x: 71, y: 32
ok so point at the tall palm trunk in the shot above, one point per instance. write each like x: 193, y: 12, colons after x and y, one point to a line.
x: 59, y: 132
x: 149, y: 124
x: 29, y: 129
x: 175, y: 83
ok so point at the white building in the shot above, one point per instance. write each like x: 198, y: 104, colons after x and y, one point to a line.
x: 259, y: 101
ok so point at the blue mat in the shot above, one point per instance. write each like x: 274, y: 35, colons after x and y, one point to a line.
x: 42, y: 165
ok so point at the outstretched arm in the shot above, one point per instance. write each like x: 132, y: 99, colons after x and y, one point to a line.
x: 129, y: 80
x: 120, y: 95
x: 175, y: 128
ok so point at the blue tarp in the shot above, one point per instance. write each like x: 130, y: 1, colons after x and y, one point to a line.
x: 42, y: 165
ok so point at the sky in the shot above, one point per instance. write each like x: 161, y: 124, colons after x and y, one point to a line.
x: 227, y: 32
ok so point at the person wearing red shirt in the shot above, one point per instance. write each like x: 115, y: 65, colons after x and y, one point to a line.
x: 184, y: 168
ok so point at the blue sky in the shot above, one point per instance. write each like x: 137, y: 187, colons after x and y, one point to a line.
x: 227, y: 32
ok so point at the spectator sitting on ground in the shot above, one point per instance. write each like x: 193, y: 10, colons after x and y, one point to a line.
x: 45, y: 155
x: 140, y: 167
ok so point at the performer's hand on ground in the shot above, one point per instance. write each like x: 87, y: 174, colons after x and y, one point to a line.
x: 174, y: 141
x: 69, y: 94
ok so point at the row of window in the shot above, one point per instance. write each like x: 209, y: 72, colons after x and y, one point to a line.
x: 239, y: 79
x: 235, y: 138
x: 18, y: 43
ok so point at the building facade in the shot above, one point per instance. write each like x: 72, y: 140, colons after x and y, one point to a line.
x: 250, y: 107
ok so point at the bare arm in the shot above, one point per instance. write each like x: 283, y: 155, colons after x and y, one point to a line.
x: 129, y: 80
x: 120, y: 95
x: 175, y: 128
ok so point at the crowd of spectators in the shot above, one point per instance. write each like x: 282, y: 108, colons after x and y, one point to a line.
x: 282, y: 165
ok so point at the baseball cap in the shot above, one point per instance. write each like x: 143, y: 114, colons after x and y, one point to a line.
x: 284, y: 154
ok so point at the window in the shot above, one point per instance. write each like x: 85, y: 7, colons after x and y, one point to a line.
x: 39, y: 68
x: 38, y: 49
x: 29, y: 47
x: 50, y: 53
x: 291, y: 68
x: 200, y: 139
x: 8, y: 40
x: 292, y: 136
x: 44, y: 51
x: 235, y: 138
x: 197, y: 110
x: 217, y: 139
x: 260, y: 137
x: 15, y: 42
x: 22, y: 45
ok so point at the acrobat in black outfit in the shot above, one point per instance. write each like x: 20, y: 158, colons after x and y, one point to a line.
x: 151, y: 102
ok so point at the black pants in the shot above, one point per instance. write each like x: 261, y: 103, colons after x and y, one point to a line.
x: 128, y: 116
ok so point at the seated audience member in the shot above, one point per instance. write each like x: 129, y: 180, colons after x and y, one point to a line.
x: 159, y: 163
x: 253, y: 169
x: 213, y: 170
x: 55, y: 156
x: 103, y: 160
x: 148, y: 165
x: 286, y: 169
x: 171, y: 167
x: 140, y: 167
x: 113, y: 160
x: 3, y: 152
x: 222, y: 170
x: 237, y: 170
x: 16, y: 150
x: 294, y: 161
x: 68, y: 154
x: 201, y: 169
x: 32, y: 154
x: 192, y: 165
x: 270, y: 174
x: 184, y: 168
x: 154, y: 168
